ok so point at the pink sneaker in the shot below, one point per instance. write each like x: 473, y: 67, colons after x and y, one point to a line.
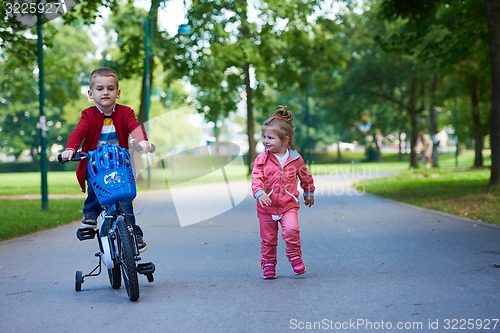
x: 298, y: 266
x: 269, y: 271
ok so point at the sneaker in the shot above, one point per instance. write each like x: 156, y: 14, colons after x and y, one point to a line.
x: 269, y: 271
x: 141, y: 245
x: 89, y: 221
x: 298, y: 266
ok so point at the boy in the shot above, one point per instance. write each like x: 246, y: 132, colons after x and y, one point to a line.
x: 104, y: 123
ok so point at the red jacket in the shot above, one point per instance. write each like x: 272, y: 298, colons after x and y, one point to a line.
x: 89, y: 129
x: 280, y: 184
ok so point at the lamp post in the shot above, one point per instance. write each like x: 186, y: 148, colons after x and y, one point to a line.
x: 308, y: 127
x: 41, y: 97
x: 149, y: 29
x: 148, y: 54
x: 148, y: 58
x: 455, y: 121
x: 184, y: 30
x: 307, y: 112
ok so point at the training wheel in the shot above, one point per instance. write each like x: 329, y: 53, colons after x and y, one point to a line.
x: 150, y: 277
x: 78, y: 280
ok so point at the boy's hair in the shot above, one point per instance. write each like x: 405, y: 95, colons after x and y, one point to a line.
x: 281, y: 119
x: 103, y: 72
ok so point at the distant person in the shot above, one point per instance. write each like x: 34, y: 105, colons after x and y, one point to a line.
x: 275, y: 178
x: 426, y: 149
x: 104, y: 123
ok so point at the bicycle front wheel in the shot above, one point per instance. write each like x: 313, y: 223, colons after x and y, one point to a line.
x: 127, y: 258
x: 115, y: 278
x: 114, y: 274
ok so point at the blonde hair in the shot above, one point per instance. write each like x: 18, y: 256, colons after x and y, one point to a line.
x: 102, y: 72
x: 281, y: 119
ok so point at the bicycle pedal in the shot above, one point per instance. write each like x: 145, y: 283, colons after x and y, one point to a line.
x: 85, y: 233
x: 146, y: 268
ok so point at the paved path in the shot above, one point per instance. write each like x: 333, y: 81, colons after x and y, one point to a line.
x: 373, y: 264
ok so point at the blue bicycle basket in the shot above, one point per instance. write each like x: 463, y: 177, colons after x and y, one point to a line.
x: 111, y: 175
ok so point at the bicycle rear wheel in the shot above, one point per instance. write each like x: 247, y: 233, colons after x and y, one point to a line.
x: 127, y: 259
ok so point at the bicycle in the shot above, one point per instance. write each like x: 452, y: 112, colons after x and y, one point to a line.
x: 111, y: 175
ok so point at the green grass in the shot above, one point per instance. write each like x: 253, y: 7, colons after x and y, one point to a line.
x: 26, y: 183
x: 463, y: 193
x: 23, y: 217
x: 455, y: 192
x: 452, y: 188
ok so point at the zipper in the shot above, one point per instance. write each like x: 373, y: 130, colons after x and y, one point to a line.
x: 281, y: 186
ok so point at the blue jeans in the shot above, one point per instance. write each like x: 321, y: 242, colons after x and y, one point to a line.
x: 92, y: 207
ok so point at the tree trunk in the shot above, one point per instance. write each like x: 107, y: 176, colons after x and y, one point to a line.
x: 476, y: 124
x: 339, y: 153
x: 432, y: 121
x: 414, y: 137
x: 250, y: 128
x: 493, y: 14
x: 378, y: 153
x: 413, y: 113
x: 245, y: 33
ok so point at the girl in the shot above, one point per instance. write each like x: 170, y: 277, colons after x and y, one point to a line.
x: 275, y: 176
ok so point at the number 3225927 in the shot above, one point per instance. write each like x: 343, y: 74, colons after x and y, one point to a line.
x: 34, y: 8
x: 470, y: 324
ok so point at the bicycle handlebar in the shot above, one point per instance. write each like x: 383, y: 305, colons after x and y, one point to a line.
x: 80, y: 155
x: 134, y: 146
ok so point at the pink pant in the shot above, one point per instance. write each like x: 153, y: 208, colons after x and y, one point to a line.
x: 269, y: 234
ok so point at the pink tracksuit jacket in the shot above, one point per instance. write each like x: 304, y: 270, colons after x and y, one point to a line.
x: 280, y: 184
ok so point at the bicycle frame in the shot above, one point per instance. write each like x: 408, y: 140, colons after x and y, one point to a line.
x: 109, y: 217
x: 107, y: 236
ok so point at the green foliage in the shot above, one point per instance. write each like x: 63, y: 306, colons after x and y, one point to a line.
x: 233, y: 57
x: 367, y: 64
x: 127, y: 55
x: 19, y: 109
x: 452, y: 39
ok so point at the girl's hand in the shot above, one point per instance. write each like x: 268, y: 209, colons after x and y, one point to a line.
x: 309, y: 201
x: 264, y: 200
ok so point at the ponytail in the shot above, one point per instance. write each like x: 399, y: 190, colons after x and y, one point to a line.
x: 282, y: 120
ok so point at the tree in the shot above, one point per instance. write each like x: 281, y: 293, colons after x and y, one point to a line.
x: 384, y: 86
x: 467, y: 26
x: 19, y: 89
x: 242, y: 54
x: 18, y: 94
x: 493, y: 14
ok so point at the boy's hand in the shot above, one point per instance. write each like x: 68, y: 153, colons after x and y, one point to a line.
x: 146, y: 146
x: 67, y: 154
x: 309, y: 201
x: 264, y: 200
